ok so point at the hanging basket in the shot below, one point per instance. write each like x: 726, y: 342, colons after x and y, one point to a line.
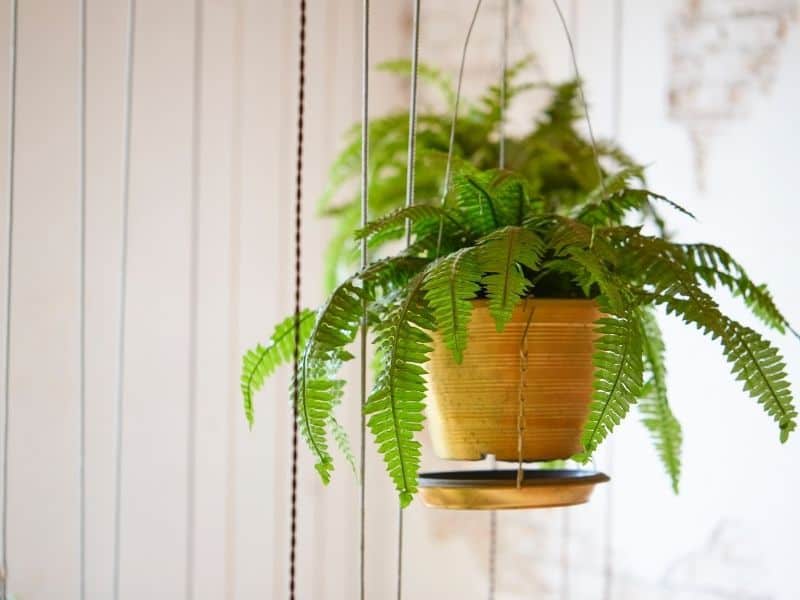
x: 474, y: 407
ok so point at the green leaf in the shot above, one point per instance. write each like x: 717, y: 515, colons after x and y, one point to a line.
x: 717, y: 268
x: 500, y: 255
x: 451, y: 285
x: 753, y: 359
x: 343, y: 443
x: 654, y: 407
x: 395, y: 221
x: 762, y: 371
x: 395, y: 405
x: 259, y: 363
x: 316, y: 388
x: 612, y: 207
x: 618, y: 377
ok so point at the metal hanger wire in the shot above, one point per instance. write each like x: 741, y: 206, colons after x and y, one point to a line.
x: 10, y: 190
x: 191, y: 416
x: 364, y: 260
x: 123, y: 284
x: 82, y: 300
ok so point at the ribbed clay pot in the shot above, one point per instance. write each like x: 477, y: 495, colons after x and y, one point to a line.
x: 473, y: 406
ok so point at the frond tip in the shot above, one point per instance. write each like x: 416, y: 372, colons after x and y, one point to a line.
x: 316, y: 387
x: 657, y: 416
x: 760, y: 367
x: 395, y: 406
x: 260, y: 362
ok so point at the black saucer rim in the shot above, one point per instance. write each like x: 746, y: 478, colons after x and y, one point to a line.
x: 502, y: 478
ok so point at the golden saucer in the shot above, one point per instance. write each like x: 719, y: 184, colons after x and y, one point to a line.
x: 497, y: 490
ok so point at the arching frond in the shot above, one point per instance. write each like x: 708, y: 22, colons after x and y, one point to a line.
x: 343, y: 443
x: 395, y: 221
x: 500, y: 255
x: 753, y: 359
x: 450, y: 285
x: 657, y: 416
x: 395, y: 405
x: 260, y: 362
x: 612, y: 207
x: 316, y: 387
x: 618, y: 377
x: 760, y: 368
x: 490, y: 199
x: 717, y: 268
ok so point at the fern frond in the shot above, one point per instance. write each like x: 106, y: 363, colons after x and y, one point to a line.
x: 618, y: 377
x: 396, y: 219
x: 612, y: 208
x: 716, y: 267
x: 343, y: 443
x: 260, y: 362
x: 450, y: 285
x: 393, y: 272
x: 654, y: 407
x: 316, y: 387
x: 753, y: 360
x: 487, y: 112
x: 760, y: 367
x: 500, y: 256
x: 395, y: 405
x: 475, y: 197
x: 614, y: 184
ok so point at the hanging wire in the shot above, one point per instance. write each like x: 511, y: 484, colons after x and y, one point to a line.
x: 454, y: 120
x: 82, y: 300
x: 502, y: 164
x: 12, y: 148
x: 412, y: 118
x: 123, y: 284
x: 566, y: 516
x: 616, y: 119
x: 595, y: 153
x: 191, y: 412
x: 364, y: 259
x: 298, y: 221
x: 503, y: 85
x: 234, y: 262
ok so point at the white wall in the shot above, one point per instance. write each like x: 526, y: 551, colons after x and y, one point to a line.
x: 730, y: 533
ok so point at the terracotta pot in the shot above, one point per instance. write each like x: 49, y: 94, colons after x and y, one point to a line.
x: 473, y: 406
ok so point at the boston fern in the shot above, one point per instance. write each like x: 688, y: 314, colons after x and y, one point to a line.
x: 547, y: 226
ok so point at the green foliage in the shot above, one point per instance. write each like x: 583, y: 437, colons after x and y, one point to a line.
x: 501, y: 256
x: 451, y: 284
x: 552, y: 162
x: 548, y: 226
x: 316, y: 388
x: 395, y: 405
x: 618, y: 377
x: 654, y: 405
x: 259, y: 363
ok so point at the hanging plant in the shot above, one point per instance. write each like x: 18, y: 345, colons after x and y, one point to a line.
x: 545, y: 250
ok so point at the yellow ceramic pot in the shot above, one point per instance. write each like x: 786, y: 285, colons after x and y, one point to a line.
x: 473, y: 407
